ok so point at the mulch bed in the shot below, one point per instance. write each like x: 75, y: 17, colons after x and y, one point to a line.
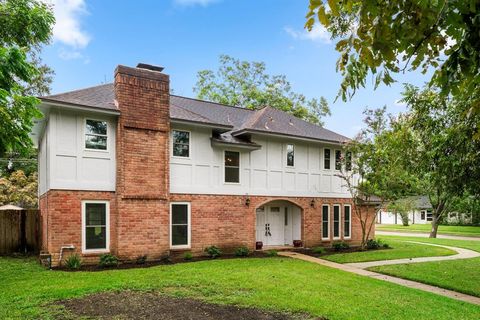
x: 152, y: 305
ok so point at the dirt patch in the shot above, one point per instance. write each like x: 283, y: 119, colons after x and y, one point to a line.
x: 152, y: 305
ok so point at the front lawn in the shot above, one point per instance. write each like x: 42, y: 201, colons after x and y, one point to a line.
x: 399, y: 250
x: 458, y: 275
x: 470, y: 231
x: 280, y: 284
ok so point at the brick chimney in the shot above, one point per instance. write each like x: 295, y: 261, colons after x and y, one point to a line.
x: 142, y: 191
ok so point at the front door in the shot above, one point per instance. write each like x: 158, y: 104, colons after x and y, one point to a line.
x: 275, y: 220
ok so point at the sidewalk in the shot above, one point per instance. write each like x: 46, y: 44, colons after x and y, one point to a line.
x: 399, y: 281
x: 423, y: 235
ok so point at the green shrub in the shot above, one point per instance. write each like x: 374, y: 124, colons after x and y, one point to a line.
x: 385, y: 246
x: 141, y: 259
x: 272, y: 253
x: 73, y: 262
x: 213, y: 252
x: 373, y: 244
x: 340, y: 246
x: 108, y: 260
x: 187, y: 256
x: 242, y: 251
x: 318, y: 250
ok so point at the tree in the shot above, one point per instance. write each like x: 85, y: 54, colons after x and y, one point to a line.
x: 373, y: 170
x: 19, y: 189
x: 385, y: 38
x: 26, y: 25
x: 402, y: 207
x: 445, y: 155
x: 246, y: 84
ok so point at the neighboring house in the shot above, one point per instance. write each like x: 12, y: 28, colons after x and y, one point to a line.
x: 421, y: 213
x: 130, y: 169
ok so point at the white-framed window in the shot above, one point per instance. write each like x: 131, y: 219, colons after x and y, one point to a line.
x: 347, y: 221
x: 429, y: 215
x: 290, y: 155
x: 181, y: 143
x: 180, y: 225
x: 326, y: 159
x: 325, y: 222
x: 96, y: 134
x: 422, y: 215
x: 232, y: 167
x: 336, y: 221
x: 95, y: 226
x: 338, y: 160
x: 348, y: 161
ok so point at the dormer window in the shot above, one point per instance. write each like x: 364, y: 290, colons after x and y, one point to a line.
x: 181, y: 143
x: 290, y: 155
x: 96, y: 135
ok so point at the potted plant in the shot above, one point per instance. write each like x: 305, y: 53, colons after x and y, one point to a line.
x: 258, y: 245
x: 297, y: 243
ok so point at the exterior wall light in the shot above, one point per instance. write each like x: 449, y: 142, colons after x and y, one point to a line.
x: 312, y: 203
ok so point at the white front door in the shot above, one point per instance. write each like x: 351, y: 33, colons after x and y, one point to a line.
x: 275, y: 220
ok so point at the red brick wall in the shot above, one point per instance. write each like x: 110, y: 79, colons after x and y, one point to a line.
x: 143, y: 97
x: 61, y: 212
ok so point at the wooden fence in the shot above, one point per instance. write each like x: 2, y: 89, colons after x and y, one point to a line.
x: 19, y: 231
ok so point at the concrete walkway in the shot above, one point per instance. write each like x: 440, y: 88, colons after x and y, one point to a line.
x: 461, y: 254
x: 423, y: 235
x: 370, y: 274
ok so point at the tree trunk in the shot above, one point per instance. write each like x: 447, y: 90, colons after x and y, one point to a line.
x: 433, y: 232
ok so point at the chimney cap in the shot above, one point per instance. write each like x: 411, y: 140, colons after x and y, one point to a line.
x: 150, y: 67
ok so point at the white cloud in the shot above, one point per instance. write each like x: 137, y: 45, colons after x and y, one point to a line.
x: 66, y: 54
x: 317, y: 34
x: 67, y: 29
x: 187, y: 3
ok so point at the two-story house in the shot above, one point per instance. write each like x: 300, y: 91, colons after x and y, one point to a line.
x: 130, y: 169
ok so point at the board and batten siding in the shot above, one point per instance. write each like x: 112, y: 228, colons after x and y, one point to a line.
x: 262, y: 172
x: 65, y: 163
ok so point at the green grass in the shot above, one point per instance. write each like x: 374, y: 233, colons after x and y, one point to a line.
x: 471, y: 231
x: 458, y: 275
x: 399, y: 250
x: 280, y: 284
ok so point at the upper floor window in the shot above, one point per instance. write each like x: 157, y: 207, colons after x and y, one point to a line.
x: 338, y: 160
x: 232, y: 166
x: 96, y: 135
x: 326, y: 159
x: 181, y: 143
x: 290, y: 155
x: 348, y: 161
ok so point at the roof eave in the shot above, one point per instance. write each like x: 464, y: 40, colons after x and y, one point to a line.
x: 247, y: 146
x: 74, y: 106
x: 279, y: 134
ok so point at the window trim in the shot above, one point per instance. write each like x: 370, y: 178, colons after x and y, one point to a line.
x: 348, y: 162
x: 286, y: 155
x: 328, y: 222
x: 339, y: 222
x: 107, y: 226
x: 189, y: 226
x: 329, y: 159
x: 335, y: 160
x: 101, y: 135
x: 239, y: 167
x: 189, y: 144
x: 349, y: 220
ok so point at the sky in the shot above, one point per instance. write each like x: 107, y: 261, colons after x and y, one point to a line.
x: 90, y: 38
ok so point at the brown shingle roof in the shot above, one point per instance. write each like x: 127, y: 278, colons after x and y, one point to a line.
x: 238, y: 120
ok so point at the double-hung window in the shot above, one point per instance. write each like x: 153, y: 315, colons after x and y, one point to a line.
x: 95, y: 224
x: 181, y: 143
x: 325, y: 222
x: 180, y: 225
x: 348, y: 161
x: 232, y: 167
x: 336, y: 221
x: 95, y: 134
x: 326, y: 159
x: 347, y: 221
x: 290, y: 155
x: 338, y: 160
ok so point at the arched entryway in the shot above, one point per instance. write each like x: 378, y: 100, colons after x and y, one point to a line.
x: 278, y: 223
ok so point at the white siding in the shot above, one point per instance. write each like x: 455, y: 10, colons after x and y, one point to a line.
x: 66, y: 164
x: 262, y: 172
